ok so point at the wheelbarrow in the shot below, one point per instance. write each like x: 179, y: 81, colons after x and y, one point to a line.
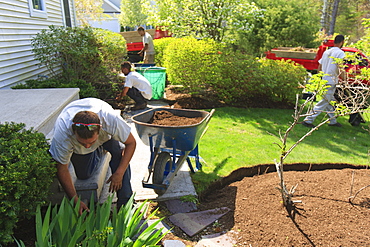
x: 170, y: 146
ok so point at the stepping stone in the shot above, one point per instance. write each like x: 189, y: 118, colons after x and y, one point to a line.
x: 160, y: 225
x: 192, y: 223
x: 216, y: 240
x: 173, y: 243
x: 177, y: 206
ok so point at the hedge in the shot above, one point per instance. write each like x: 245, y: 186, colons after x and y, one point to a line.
x: 26, y: 173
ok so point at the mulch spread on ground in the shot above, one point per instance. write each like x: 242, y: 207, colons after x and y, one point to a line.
x: 326, y: 218
x: 167, y: 118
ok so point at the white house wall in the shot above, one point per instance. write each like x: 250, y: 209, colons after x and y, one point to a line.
x: 111, y: 24
x: 17, y: 28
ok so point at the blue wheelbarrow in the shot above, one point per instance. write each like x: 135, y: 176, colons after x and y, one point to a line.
x: 170, y: 146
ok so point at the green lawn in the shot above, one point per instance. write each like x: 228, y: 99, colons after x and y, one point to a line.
x: 239, y: 137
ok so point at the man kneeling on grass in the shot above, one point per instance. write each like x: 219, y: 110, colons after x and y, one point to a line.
x: 137, y: 87
x: 82, y: 131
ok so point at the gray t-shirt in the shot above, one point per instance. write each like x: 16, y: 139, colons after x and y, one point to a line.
x: 329, y: 66
x: 64, y: 142
x: 147, y: 39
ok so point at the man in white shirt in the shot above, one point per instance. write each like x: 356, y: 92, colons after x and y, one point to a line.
x: 137, y: 87
x: 82, y: 131
x: 148, y: 49
x: 328, y: 65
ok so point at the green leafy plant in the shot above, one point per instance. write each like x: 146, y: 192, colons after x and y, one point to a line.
x: 280, y: 19
x: 26, y: 173
x: 86, y: 89
x: 160, y: 46
x: 215, y: 19
x: 63, y: 226
x: 190, y: 62
x: 190, y: 198
x: 80, y: 53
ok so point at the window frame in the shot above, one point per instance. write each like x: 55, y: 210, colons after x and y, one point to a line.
x: 37, y: 12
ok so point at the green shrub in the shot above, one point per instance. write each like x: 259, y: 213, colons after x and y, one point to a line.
x: 191, y: 62
x: 26, y: 173
x: 209, y: 68
x: 79, y: 53
x: 111, y: 48
x: 86, y: 89
x: 284, y: 77
x: 160, y: 46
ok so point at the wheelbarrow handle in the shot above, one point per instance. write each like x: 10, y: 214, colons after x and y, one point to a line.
x: 208, y: 118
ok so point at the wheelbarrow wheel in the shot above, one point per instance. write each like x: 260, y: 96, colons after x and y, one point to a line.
x: 162, y: 167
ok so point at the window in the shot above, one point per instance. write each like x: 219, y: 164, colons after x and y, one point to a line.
x: 37, y: 8
x: 67, y: 13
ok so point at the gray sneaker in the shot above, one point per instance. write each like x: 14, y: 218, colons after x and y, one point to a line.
x: 139, y: 107
x: 309, y: 125
x: 336, y: 124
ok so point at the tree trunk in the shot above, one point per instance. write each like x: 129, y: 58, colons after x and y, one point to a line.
x: 324, y: 16
x: 334, y: 16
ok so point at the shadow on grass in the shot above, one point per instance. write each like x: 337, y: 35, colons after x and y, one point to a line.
x: 201, y: 179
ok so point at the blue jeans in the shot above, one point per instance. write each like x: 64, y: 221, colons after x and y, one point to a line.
x: 84, y: 166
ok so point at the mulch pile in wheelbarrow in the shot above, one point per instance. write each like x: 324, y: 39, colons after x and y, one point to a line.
x: 167, y: 118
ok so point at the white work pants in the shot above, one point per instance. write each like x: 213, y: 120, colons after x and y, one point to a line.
x: 324, y: 106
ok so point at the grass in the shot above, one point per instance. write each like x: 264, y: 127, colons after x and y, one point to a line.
x: 239, y: 137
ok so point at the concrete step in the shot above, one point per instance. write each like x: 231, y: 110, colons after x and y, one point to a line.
x: 37, y: 108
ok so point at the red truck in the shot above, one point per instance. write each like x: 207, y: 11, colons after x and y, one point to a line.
x: 134, y: 41
x: 309, y: 58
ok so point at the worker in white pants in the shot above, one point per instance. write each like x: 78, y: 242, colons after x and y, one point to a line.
x: 331, y: 70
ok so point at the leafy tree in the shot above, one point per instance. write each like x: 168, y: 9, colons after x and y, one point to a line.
x: 350, y: 16
x: 364, y: 43
x: 89, y: 10
x: 132, y: 13
x: 283, y: 23
x: 215, y: 19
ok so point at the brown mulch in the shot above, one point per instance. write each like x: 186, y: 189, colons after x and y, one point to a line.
x: 325, y: 217
x: 166, y: 118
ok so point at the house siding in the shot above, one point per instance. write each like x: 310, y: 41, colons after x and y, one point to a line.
x: 17, y: 27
